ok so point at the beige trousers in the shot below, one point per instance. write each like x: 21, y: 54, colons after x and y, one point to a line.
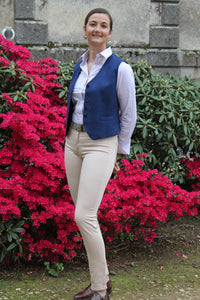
x: 89, y: 165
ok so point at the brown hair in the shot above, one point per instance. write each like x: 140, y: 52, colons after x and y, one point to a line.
x: 99, y: 11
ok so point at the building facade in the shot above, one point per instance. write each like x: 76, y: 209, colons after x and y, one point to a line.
x: 164, y: 33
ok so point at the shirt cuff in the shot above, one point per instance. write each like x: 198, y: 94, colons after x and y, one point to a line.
x: 124, y: 145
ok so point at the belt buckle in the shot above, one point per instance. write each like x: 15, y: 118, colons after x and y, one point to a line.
x: 78, y: 127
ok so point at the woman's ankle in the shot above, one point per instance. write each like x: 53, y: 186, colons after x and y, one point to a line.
x: 102, y: 293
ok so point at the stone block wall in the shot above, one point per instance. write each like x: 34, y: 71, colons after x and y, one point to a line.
x: 28, y: 30
x: 6, y: 14
x: 165, y: 33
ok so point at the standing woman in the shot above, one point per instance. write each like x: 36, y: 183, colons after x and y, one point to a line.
x: 102, y: 86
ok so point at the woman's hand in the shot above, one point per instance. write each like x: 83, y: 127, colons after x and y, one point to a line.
x: 116, y: 166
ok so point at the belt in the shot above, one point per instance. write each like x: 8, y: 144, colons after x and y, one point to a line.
x: 78, y: 127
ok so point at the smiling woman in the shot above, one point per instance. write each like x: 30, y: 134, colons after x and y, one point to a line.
x: 97, y: 30
x: 102, y: 86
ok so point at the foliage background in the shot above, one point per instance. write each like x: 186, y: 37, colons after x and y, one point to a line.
x: 36, y: 209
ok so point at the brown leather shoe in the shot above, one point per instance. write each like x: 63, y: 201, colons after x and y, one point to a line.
x: 97, y: 296
x: 88, y: 292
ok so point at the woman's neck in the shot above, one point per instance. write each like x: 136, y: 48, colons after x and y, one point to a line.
x: 93, y: 51
x: 92, y: 55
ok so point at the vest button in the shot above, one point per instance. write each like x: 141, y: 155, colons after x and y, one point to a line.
x: 86, y: 100
x: 85, y: 116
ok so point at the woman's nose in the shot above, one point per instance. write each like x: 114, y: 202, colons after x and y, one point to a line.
x: 98, y: 27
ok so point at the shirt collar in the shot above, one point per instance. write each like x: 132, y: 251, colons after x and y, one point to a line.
x: 104, y: 54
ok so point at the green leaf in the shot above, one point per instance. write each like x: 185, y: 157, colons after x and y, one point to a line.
x: 176, y: 177
x: 26, y: 86
x: 159, y: 137
x: 137, y: 148
x: 61, y: 94
x: 20, y: 248
x: 14, y: 236
x: 20, y: 223
x: 13, y: 73
x: 169, y: 136
x: 174, y: 140
x: 171, y: 114
x: 11, y: 247
x: 9, y: 236
x: 15, y: 98
x: 185, y: 130
x: 187, y: 143
x: 2, y: 227
x: 191, y: 146
x: 178, y: 122
x: 144, y: 132
x: 171, y: 151
x: 162, y: 118
x: 3, y: 254
x: 143, y: 101
x: 33, y: 88
x: 138, y: 80
x: 18, y: 229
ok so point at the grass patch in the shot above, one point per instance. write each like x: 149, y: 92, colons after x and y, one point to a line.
x: 167, y: 269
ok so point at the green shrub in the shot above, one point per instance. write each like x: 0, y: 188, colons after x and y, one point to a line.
x: 11, y: 239
x: 64, y: 78
x: 55, y: 269
x: 13, y: 81
x: 168, y: 126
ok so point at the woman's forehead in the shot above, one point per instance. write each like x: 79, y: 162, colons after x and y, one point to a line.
x: 100, y: 17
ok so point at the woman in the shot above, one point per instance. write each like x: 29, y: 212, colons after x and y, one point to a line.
x: 101, y: 86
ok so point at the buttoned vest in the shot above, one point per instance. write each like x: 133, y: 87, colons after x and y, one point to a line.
x: 101, y: 107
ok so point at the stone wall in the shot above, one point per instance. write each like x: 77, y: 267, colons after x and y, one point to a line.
x: 165, y: 33
x: 6, y: 14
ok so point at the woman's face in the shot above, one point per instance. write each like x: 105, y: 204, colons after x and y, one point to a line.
x: 98, y: 30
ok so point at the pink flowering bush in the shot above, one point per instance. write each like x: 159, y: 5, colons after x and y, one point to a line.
x: 32, y: 176
x: 193, y: 166
x: 141, y: 200
x: 36, y: 209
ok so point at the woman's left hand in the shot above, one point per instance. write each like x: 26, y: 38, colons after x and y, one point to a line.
x: 116, y: 167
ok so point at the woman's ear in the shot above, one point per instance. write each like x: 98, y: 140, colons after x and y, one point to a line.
x: 110, y: 34
x: 85, y: 35
x: 84, y: 29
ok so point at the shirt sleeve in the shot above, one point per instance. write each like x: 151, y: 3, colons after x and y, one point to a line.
x: 127, y: 101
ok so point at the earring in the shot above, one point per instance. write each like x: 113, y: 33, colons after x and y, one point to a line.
x: 109, y: 41
x: 85, y: 37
